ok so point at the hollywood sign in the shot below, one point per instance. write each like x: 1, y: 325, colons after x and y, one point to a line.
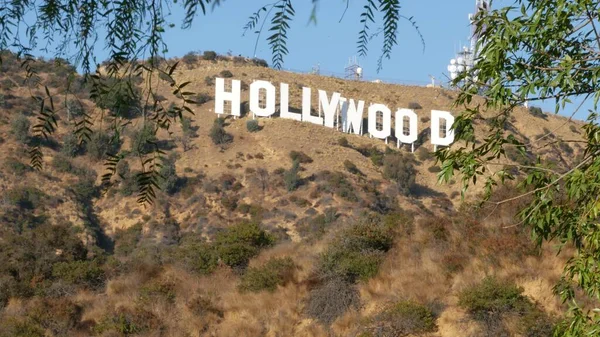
x: 338, y: 112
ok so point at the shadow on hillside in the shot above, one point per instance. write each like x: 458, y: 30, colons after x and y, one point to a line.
x: 420, y: 191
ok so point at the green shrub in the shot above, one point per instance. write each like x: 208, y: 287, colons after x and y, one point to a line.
x: 209, y: 55
x: 252, y: 125
x: 331, y: 299
x: 209, y: 81
x: 127, y: 239
x: 405, y: 318
x: 260, y: 62
x: 88, y: 273
x: 198, y: 257
x: 373, y: 153
x: 143, y: 140
x: 190, y: 58
x: 424, y: 154
x: 434, y: 169
x: 62, y: 163
x: 100, y: 144
x: 202, y: 98
x: 25, y: 197
x: 414, y: 106
x: 70, y: 145
x: 336, y: 182
x: 357, y: 252
x: 74, y: 109
x: 16, y: 167
x: 537, y: 112
x: 399, y: 169
x: 218, y: 134
x: 492, y: 297
x: 519, y: 154
x: 574, y: 129
x: 171, y: 183
x: 157, y: 290
x: 226, y: 74
x: 300, y: 157
x: 343, y: 141
x: 291, y: 177
x: 20, y: 128
x: 237, y: 244
x: 276, y: 272
x: 229, y: 202
x: 351, y: 167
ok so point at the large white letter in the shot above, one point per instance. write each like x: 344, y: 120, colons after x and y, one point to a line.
x: 412, y: 122
x: 284, y: 109
x: 221, y: 96
x: 269, y: 109
x: 352, y: 116
x: 306, y: 116
x: 436, y: 115
x: 386, y: 129
x: 329, y: 107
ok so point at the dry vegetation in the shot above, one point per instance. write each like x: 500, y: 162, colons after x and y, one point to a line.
x: 268, y: 228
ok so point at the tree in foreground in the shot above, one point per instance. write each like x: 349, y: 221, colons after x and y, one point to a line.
x: 530, y: 51
x: 133, y: 36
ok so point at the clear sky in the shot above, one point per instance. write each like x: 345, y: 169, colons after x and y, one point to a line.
x: 330, y: 43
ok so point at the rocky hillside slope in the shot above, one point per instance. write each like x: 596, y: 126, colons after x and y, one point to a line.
x: 356, y: 239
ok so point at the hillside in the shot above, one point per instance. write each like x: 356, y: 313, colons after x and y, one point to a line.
x: 239, y: 242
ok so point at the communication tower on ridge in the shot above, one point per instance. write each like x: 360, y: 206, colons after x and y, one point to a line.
x: 466, y: 58
x: 353, y: 69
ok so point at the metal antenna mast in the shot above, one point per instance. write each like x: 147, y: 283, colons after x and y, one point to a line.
x: 353, y: 70
x: 466, y: 58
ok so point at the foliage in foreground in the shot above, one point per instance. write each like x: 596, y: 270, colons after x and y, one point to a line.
x: 516, y: 67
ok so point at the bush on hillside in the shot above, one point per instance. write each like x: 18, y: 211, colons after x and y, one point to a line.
x: 209, y: 55
x: 492, y: 297
x: 260, y: 62
x: 291, y: 177
x: 171, y: 183
x: 190, y: 58
x: 399, y: 169
x: 300, y: 157
x: 202, y: 98
x: 74, y: 109
x: 352, y: 168
x: 238, y: 244
x: 70, y: 145
x: 217, y: 133
x: 226, y: 74
x: 423, y: 154
x: 343, y: 141
x: 100, y: 144
x: 537, y: 112
x: 16, y: 167
x: 253, y: 126
x: 357, y: 252
x: 275, y: 272
x: 209, y: 81
x: 405, y: 318
x: 331, y: 299
x: 143, y: 140
x: 414, y: 106
x: 20, y: 128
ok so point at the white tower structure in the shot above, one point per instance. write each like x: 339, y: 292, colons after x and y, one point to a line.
x: 466, y: 58
x: 353, y: 69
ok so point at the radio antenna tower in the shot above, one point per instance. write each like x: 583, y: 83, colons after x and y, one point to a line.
x: 353, y: 70
x: 316, y: 70
x: 467, y: 57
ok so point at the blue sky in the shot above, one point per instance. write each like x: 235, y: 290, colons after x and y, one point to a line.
x: 330, y: 43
